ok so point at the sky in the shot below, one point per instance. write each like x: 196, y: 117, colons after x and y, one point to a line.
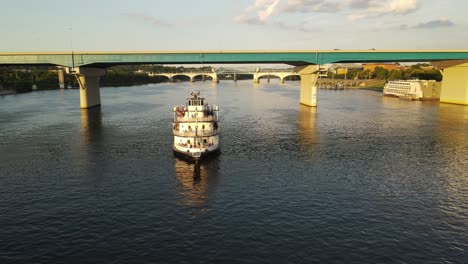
x: 163, y: 25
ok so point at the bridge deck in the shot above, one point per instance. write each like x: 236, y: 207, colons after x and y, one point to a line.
x: 106, y: 59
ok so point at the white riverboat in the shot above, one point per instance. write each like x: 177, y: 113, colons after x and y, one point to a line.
x: 413, y: 89
x: 195, y: 128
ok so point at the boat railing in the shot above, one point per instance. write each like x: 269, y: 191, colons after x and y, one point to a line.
x: 195, y: 146
x: 195, y: 118
x: 193, y: 133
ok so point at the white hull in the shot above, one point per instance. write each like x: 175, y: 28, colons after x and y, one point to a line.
x: 195, y: 154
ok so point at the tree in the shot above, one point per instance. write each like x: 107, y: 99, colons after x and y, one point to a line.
x: 395, y: 75
x: 381, y: 73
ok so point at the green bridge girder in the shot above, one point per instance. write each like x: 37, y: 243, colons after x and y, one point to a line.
x: 296, y: 58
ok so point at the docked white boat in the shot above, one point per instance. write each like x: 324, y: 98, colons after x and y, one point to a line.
x: 413, y: 89
x: 195, y: 128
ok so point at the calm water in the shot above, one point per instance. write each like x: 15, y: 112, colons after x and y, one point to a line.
x: 361, y: 179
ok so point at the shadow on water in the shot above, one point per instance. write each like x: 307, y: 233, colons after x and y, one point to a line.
x: 196, y: 182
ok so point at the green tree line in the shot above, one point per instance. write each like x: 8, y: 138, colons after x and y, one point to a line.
x: 418, y: 71
x: 21, y: 80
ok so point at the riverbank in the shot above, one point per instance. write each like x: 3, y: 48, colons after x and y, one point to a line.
x: 6, y: 92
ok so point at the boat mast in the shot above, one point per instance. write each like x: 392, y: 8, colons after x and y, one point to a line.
x: 196, y: 125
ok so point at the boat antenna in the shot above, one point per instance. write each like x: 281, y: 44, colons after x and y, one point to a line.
x: 317, y: 60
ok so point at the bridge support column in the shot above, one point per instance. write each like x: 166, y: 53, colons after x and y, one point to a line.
x: 455, y: 85
x: 215, y: 79
x: 61, y: 77
x: 309, y: 76
x: 255, y: 78
x: 88, y: 80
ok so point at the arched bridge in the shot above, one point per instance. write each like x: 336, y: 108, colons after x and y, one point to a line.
x: 256, y: 72
x: 191, y: 75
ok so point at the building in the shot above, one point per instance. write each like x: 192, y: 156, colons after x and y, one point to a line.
x: 387, y: 66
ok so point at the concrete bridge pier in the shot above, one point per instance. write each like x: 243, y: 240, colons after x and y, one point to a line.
x: 88, y: 80
x: 256, y: 78
x: 309, y: 76
x: 61, y: 77
x: 455, y: 85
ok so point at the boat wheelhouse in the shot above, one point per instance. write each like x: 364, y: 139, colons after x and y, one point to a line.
x: 195, y: 128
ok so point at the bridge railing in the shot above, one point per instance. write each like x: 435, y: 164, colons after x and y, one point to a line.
x: 227, y: 71
x: 187, y: 72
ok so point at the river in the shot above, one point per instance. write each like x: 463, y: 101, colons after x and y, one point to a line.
x: 361, y: 178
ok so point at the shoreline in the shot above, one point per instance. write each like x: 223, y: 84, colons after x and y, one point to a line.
x: 7, y: 92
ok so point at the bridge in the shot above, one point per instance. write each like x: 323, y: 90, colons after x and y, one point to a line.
x: 257, y: 73
x: 191, y: 75
x: 89, y: 66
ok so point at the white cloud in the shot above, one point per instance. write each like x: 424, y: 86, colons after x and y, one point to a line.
x: 262, y: 11
x: 393, y: 6
x: 259, y: 12
x: 308, y: 6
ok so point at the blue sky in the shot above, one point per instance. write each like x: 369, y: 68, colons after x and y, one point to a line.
x: 119, y: 25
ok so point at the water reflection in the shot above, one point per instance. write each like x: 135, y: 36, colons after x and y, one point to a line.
x: 452, y: 137
x: 90, y: 147
x: 452, y: 147
x: 307, y: 130
x: 196, y: 181
x: 453, y: 123
x: 91, y: 124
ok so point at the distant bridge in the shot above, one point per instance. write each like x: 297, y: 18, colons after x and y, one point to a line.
x: 89, y: 66
x: 256, y: 72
